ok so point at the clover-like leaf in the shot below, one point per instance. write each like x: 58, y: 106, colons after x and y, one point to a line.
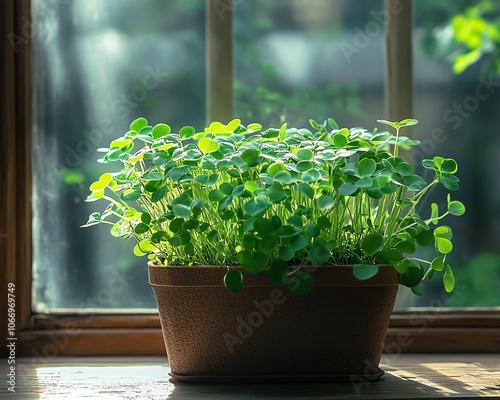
x: 233, y: 280
x: 372, y: 243
x: 364, y: 272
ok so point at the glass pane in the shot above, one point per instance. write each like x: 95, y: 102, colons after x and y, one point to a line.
x: 97, y: 65
x: 458, y: 113
x: 297, y: 60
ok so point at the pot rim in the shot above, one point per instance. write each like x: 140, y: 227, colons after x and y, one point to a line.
x: 213, y: 276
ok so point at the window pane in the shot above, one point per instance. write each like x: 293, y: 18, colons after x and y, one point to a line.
x: 297, y: 60
x: 458, y: 113
x: 97, y: 65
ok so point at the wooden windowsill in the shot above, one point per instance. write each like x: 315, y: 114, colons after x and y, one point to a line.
x: 408, y: 376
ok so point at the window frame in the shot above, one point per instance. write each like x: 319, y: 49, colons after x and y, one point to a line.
x: 48, y: 335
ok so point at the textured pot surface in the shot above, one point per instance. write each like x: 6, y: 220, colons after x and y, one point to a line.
x: 338, y: 328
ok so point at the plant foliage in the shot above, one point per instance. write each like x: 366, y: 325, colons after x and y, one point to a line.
x: 276, y: 200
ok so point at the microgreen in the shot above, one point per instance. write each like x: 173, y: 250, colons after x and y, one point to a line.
x: 277, y: 200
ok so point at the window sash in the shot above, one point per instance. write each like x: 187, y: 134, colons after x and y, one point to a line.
x: 48, y: 335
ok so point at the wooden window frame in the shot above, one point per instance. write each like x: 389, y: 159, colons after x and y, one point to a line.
x: 45, y: 336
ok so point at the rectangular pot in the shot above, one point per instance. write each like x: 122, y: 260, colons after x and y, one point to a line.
x: 263, y: 333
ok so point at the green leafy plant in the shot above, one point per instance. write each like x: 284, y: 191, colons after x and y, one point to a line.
x: 276, y: 200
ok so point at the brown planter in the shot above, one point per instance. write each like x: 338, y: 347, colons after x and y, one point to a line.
x: 263, y: 333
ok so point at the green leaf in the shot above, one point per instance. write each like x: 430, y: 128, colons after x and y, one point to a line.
x: 347, y: 189
x: 428, y: 164
x: 296, y: 221
x: 404, y: 169
x: 254, y: 127
x: 278, y: 272
x: 286, y: 231
x: 443, y: 231
x: 305, y: 154
x: 413, y: 276
x: 252, y: 261
x: 406, y: 247
x: 187, y: 132
x: 158, y: 194
x: 207, y: 146
x: 449, y: 279
x: 450, y: 182
x: 190, y: 224
x: 264, y: 226
x: 213, y: 236
x: 177, y: 173
x: 417, y: 290
x: 141, y: 228
x: 408, y: 122
x: 251, y: 186
x: 324, y: 202
x: 324, y: 222
x: 93, y: 219
x: 160, y: 130
x: 444, y: 246
x: 449, y: 166
x: 226, y: 188
x: 438, y: 264
x: 146, y: 246
x: 131, y: 197
x: 238, y: 191
x: 366, y: 167
x: 138, y: 124
x: 314, y: 124
x: 372, y: 243
x: 274, y: 168
x: 306, y: 190
x: 250, y: 156
x: 424, y: 238
x: 225, y: 202
x: 152, y: 176
x: 276, y: 193
x: 311, y: 175
x: 390, y: 123
x: 176, y: 225
x: 256, y: 206
x: 233, y: 280
x: 332, y: 123
x: 138, y: 252
x: 286, y: 253
x: 434, y: 213
x: 158, y: 237
x: 364, y: 182
x: 456, y: 208
x: 282, y: 132
x: 340, y: 140
x: 300, y: 284
x: 364, y: 272
x: 298, y: 242
x: 393, y: 255
x: 268, y: 243
x: 284, y: 177
x: 216, y: 195
x: 182, y: 211
x: 312, y: 230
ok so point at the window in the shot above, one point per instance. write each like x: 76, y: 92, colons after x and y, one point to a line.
x: 86, y: 68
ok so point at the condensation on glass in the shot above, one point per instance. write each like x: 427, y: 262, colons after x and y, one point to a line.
x: 96, y: 66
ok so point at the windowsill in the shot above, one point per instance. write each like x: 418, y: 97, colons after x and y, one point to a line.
x: 408, y: 376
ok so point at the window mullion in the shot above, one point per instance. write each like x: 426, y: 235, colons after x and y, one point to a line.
x: 399, y: 63
x: 219, y: 78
